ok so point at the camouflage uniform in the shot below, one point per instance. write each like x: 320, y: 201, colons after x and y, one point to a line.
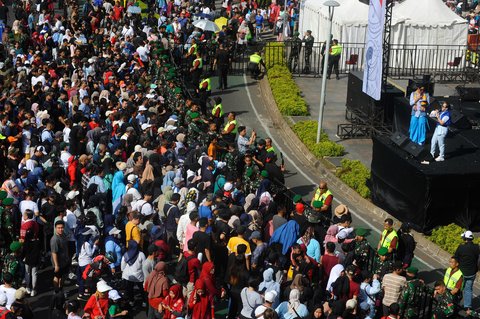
x: 194, y: 132
x: 383, y: 267
x: 412, y: 293
x: 251, y: 183
x: 362, y: 249
x: 445, y: 306
x: 12, y: 265
x: 231, y: 161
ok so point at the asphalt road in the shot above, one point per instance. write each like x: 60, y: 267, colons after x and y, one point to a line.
x: 243, y: 97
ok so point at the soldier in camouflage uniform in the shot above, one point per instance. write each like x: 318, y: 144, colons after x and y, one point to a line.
x: 444, y: 307
x: 194, y: 129
x: 13, y: 265
x: 413, y: 292
x: 231, y: 161
x: 383, y: 263
x: 250, y: 175
x: 362, y: 247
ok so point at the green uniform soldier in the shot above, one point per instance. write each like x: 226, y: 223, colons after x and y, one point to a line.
x: 383, y: 263
x: 231, y: 160
x: 362, y: 247
x: 412, y: 294
x: 12, y: 265
x: 445, y: 305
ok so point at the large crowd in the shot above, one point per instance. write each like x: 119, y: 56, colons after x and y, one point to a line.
x: 123, y: 175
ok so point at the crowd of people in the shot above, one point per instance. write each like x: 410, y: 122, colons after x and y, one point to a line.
x: 123, y: 176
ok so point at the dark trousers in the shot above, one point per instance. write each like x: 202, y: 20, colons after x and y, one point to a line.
x: 333, y: 64
x: 129, y: 288
x: 80, y: 281
x: 222, y: 77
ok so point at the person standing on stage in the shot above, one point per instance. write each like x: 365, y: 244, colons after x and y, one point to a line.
x: 419, y: 101
x: 438, y: 138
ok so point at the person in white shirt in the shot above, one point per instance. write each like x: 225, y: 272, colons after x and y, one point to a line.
x: 143, y: 52
x: 132, y: 179
x: 144, y: 206
x: 132, y: 271
x: 85, y: 257
x: 7, y: 290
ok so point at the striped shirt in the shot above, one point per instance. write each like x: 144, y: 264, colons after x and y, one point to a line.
x: 392, y: 285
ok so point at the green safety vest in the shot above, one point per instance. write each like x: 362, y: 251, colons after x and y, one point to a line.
x: 387, y: 239
x: 234, y: 131
x: 200, y: 65
x: 336, y: 50
x: 218, y: 106
x: 209, y: 87
x: 255, y: 58
x: 450, y: 280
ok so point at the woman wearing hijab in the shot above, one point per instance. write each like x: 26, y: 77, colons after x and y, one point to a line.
x: 165, y: 198
x: 172, y: 306
x: 312, y: 246
x: 168, y: 180
x: 292, y: 308
x: 156, y: 287
x: 118, y: 187
x: 334, y: 274
x: 85, y: 257
x: 200, y: 305
x: 207, y: 275
x: 268, y: 284
x: 113, y: 246
x: 147, y: 177
x: 132, y: 269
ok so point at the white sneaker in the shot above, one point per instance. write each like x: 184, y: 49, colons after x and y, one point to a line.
x: 424, y: 163
x: 440, y: 159
x: 33, y: 294
x: 29, y: 291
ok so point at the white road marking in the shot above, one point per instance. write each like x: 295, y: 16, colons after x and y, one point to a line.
x: 277, y: 145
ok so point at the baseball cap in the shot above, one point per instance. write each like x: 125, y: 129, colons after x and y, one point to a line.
x: 102, y: 286
x: 114, y: 231
x: 114, y: 295
x: 41, y: 149
x: 255, y: 235
x: 270, y: 296
x: 467, y: 235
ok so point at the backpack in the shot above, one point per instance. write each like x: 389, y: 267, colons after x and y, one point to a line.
x: 181, y: 270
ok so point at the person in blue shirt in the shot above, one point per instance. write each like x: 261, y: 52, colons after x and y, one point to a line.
x: 205, y: 211
x: 292, y: 308
x: 438, y: 138
x: 311, y: 244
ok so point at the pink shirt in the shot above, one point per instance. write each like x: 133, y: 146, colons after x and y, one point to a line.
x: 188, y: 235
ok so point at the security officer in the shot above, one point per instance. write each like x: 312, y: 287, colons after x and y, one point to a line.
x: 254, y: 65
x: 217, y: 111
x: 295, y: 48
x: 324, y: 195
x: 334, y: 59
x: 230, y: 130
x: 309, y: 40
x: 389, y: 238
x: 444, y: 307
x: 204, y: 91
x: 196, y: 70
x: 453, y: 279
x: 409, y: 300
x: 193, y: 50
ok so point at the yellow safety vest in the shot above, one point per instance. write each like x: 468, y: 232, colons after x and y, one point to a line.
x: 336, y: 50
x: 255, y: 58
x: 200, y: 62
x: 387, y: 239
x: 209, y: 86
x: 322, y: 197
x: 195, y: 49
x: 217, y: 107
x: 234, y: 131
x: 450, y: 280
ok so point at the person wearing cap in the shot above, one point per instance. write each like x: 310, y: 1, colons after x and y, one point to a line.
x: 362, y: 247
x: 113, y: 247
x: 323, y: 195
x: 409, y: 300
x: 468, y: 255
x: 392, y: 285
x: 115, y: 308
x: 97, y: 304
x: 260, y: 247
x: 295, y: 44
x: 453, y: 279
x: 384, y: 262
x: 270, y: 297
x: 389, y: 238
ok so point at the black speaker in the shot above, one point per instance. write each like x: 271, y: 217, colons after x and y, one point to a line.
x: 413, y: 149
x: 459, y: 120
x: 399, y: 138
x: 468, y: 94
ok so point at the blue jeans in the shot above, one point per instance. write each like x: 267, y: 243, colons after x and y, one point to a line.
x: 468, y: 290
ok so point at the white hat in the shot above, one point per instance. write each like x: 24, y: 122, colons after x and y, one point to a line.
x: 142, y: 108
x: 41, y: 149
x: 90, y: 230
x: 72, y: 194
x: 102, y: 286
x: 138, y: 148
x: 132, y: 178
x: 109, y: 112
x: 351, y: 304
x: 467, y: 235
x: 114, y: 231
x: 146, y: 126
x: 228, y: 186
x: 170, y: 128
x: 114, y: 295
x: 270, y: 296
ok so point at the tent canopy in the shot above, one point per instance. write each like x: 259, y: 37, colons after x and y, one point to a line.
x: 428, y: 13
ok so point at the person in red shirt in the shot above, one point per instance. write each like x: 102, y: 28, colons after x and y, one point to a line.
x: 172, y: 305
x: 97, y: 304
x: 354, y: 290
x: 117, y: 11
x: 199, y: 303
x: 194, y: 267
x: 28, y: 226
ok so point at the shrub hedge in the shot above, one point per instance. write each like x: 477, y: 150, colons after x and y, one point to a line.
x: 307, y: 132
x: 284, y: 89
x: 449, y: 237
x: 356, y: 175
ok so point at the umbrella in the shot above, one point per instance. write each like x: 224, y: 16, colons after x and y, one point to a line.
x: 220, y: 22
x: 204, y: 15
x: 134, y: 10
x: 206, y: 25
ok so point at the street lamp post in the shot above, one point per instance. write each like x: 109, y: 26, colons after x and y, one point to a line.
x: 331, y: 4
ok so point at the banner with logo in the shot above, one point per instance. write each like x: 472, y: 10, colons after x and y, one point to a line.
x: 372, y: 73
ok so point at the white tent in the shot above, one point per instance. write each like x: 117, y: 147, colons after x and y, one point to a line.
x: 427, y: 22
x: 349, y: 20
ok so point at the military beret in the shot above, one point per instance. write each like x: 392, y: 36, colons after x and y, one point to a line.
x: 361, y: 231
x: 382, y: 251
x: 15, y: 246
x: 264, y: 173
x: 297, y: 198
x: 317, y: 204
x: 412, y: 270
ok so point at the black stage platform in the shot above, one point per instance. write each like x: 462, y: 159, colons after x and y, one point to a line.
x: 436, y: 194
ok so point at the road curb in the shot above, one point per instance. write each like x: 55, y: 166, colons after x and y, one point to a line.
x: 335, y: 183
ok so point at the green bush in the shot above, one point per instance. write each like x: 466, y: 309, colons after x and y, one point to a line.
x: 307, y: 132
x: 355, y: 174
x: 449, y: 237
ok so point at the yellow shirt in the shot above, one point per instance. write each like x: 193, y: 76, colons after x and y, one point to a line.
x: 234, y: 242
x: 133, y: 232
